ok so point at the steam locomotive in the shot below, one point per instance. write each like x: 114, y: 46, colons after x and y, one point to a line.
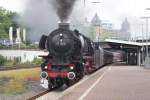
x: 71, y: 56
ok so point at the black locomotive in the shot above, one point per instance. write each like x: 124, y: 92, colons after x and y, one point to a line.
x: 71, y: 55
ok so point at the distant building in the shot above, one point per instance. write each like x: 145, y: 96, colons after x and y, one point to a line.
x: 96, y: 20
x: 125, y: 30
x: 107, y: 25
x: 18, y: 39
x: 16, y: 36
x: 125, y: 27
x: 102, y: 28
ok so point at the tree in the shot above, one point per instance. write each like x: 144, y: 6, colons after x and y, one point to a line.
x: 6, y: 21
x: 92, y: 34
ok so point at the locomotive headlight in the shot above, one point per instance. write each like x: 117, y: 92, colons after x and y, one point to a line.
x: 71, y: 67
x: 71, y: 75
x: 46, y: 67
x: 44, y: 75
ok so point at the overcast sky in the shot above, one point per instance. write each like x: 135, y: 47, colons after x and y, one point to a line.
x: 113, y: 10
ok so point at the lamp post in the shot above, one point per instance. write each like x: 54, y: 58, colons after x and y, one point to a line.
x: 147, y: 60
x: 99, y: 29
x: 84, y: 1
x: 147, y: 25
x: 142, y: 41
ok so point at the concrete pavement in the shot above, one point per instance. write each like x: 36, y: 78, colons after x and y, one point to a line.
x: 115, y: 83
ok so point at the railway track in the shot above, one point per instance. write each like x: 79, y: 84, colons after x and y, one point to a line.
x: 59, y: 92
x: 38, y: 95
x: 16, y: 68
x: 54, y: 92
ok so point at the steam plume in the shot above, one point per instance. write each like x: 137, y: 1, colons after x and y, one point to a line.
x: 41, y: 17
x: 63, y: 8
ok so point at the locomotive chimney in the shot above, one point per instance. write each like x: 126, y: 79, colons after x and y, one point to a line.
x: 64, y: 25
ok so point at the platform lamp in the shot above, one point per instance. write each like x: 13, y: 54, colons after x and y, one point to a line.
x: 142, y: 49
x: 147, y: 60
x: 84, y: 2
x: 147, y: 25
x: 99, y: 30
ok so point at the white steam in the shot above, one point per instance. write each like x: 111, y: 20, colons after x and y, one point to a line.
x: 40, y: 17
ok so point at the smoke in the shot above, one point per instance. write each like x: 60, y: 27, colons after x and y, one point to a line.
x: 63, y: 8
x: 41, y: 18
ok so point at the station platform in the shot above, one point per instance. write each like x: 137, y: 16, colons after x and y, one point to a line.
x: 114, y: 82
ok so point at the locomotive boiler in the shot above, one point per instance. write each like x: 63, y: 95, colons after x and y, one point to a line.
x: 71, y: 55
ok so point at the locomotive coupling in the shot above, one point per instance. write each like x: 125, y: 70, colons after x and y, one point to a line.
x: 71, y: 75
x: 44, y: 75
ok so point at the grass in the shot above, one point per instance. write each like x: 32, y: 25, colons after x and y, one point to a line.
x: 16, y: 62
x: 18, y: 80
x: 22, y: 46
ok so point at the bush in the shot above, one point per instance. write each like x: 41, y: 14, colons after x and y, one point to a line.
x: 21, y: 46
x: 2, y: 60
x: 37, y: 61
x: 16, y: 60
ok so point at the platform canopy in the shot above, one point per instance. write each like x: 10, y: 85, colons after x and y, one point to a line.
x: 134, y: 51
x: 126, y: 42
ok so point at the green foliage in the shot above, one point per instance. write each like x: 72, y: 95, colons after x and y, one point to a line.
x: 9, y: 63
x: 6, y: 20
x: 106, y: 35
x: 88, y: 31
x: 91, y: 33
x: 15, y: 81
x: 37, y: 61
x: 21, y: 46
x: 14, y: 87
x: 16, y: 60
x: 2, y: 60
